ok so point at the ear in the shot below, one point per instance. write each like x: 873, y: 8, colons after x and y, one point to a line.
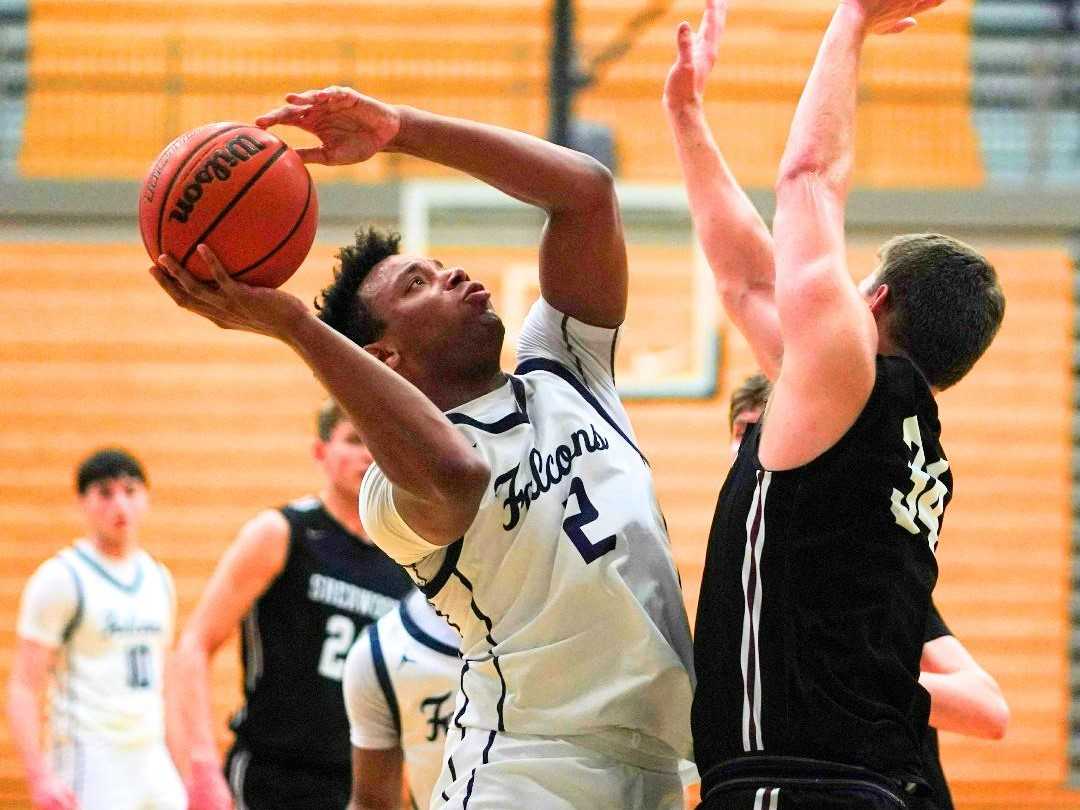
x: 384, y: 353
x: 878, y: 301
x: 318, y: 450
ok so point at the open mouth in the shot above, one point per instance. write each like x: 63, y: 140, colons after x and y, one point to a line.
x: 476, y: 294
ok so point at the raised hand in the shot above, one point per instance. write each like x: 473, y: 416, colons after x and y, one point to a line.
x: 228, y: 303
x: 685, y: 85
x: 351, y: 126
x: 891, y: 16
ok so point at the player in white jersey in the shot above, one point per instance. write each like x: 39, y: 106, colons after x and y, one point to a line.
x: 577, y: 668
x: 564, y: 580
x: 95, y: 623
x: 400, y: 684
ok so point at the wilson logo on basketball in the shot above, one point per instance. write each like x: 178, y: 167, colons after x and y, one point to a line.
x: 218, y: 166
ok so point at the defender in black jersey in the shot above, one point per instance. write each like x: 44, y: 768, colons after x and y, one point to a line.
x: 964, y: 697
x: 295, y: 639
x: 813, y: 603
x: 821, y: 559
x: 305, y: 583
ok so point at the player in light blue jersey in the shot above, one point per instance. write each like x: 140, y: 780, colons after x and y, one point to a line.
x: 95, y: 623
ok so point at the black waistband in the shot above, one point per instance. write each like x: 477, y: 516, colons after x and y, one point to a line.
x: 767, y: 770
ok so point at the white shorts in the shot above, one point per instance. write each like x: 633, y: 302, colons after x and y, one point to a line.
x: 495, y: 771
x: 107, y: 777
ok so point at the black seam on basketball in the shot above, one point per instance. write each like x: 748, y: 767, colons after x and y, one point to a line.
x: 287, y: 237
x: 232, y: 203
x: 172, y: 182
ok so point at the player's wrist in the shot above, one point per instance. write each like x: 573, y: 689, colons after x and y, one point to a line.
x: 292, y: 321
x: 406, y: 124
x: 853, y: 13
x: 687, y: 115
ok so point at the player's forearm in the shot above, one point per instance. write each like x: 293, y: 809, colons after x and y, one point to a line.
x: 822, y: 138
x: 821, y: 313
x: 735, y: 238
x: 189, y: 695
x: 966, y: 703
x: 525, y: 167
x: 24, y: 720
x: 176, y: 733
x: 409, y: 437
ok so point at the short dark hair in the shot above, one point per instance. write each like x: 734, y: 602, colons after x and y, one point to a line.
x: 329, y: 415
x: 945, y: 303
x: 753, y: 393
x: 107, y: 464
x: 338, y: 305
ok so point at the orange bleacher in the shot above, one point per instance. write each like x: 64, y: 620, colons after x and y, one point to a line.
x: 93, y: 353
x: 111, y: 83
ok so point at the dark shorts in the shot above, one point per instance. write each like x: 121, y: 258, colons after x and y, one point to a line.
x: 262, y: 783
x: 789, y: 784
x: 795, y: 797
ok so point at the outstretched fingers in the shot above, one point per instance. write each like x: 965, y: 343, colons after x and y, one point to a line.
x: 188, y: 292
x: 202, y: 296
x: 181, y: 277
x: 224, y: 281
x: 926, y: 5
x: 300, y: 106
x: 332, y: 98
x: 685, y: 39
x: 916, y: 8
x: 169, y: 284
x: 713, y: 21
x: 287, y: 114
x: 902, y: 25
x: 314, y: 154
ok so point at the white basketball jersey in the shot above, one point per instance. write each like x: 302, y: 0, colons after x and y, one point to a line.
x: 564, y: 589
x: 401, y: 683
x: 111, y: 649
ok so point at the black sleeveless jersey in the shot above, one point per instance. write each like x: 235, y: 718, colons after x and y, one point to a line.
x: 815, y: 593
x: 296, y: 637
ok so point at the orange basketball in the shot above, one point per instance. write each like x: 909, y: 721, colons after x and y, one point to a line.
x: 240, y: 190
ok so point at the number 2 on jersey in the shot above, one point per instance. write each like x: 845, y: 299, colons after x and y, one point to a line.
x: 340, y: 633
x: 574, y: 525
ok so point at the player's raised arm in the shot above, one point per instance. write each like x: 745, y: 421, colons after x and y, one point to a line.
x: 827, y: 328
x: 736, y: 241
x: 582, y: 255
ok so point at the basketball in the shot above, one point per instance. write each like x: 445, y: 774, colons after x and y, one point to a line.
x: 238, y: 189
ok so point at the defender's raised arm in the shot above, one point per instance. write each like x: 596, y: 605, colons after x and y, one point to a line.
x: 736, y: 241
x: 828, y: 331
